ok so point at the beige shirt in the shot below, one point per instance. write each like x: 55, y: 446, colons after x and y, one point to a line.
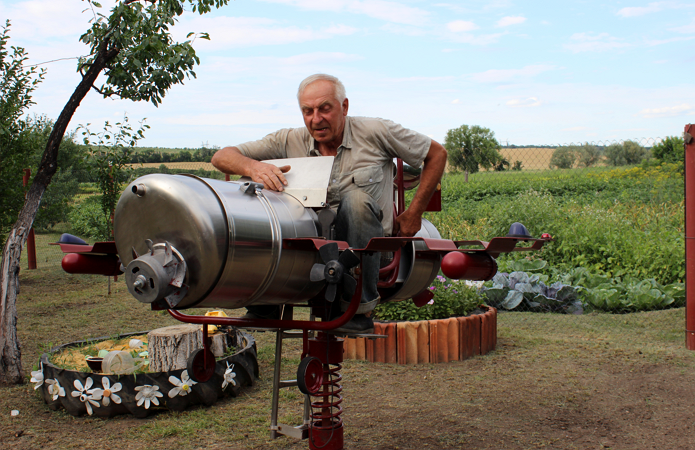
x: 364, y: 159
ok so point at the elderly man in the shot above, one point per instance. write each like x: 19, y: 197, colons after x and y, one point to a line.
x: 361, y: 186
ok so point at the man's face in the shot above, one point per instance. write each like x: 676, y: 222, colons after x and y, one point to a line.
x: 324, y: 116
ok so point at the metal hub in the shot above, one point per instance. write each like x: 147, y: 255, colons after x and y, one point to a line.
x: 157, y: 275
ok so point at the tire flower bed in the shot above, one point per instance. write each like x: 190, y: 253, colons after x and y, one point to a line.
x: 139, y: 394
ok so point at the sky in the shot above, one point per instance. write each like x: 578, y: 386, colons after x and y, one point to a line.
x: 532, y: 72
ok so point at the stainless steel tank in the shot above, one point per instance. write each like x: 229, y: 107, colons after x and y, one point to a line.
x: 228, y: 234
x: 194, y: 242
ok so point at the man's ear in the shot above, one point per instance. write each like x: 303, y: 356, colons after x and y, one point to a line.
x: 345, y: 106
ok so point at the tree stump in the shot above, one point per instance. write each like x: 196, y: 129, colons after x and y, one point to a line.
x: 169, y: 347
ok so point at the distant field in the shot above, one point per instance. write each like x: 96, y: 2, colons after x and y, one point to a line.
x: 531, y: 158
x: 179, y: 165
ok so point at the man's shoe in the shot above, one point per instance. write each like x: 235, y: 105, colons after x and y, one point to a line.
x: 359, y: 324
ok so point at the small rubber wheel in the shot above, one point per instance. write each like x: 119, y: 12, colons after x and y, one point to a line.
x: 197, y: 368
x: 310, y: 375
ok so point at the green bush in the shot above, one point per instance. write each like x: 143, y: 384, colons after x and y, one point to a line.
x: 588, y: 155
x: 451, y: 298
x: 669, y: 150
x: 88, y: 220
x: 627, y: 153
x: 563, y: 158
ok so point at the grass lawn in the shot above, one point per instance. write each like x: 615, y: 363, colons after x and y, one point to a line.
x: 555, y: 381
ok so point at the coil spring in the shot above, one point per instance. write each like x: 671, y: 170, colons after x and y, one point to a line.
x: 325, y: 407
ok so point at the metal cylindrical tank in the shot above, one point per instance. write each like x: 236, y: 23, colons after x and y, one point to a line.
x: 417, y: 268
x: 228, y: 233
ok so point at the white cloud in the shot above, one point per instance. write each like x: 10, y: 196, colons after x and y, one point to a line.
x: 686, y: 29
x: 656, y: 42
x: 408, y: 30
x: 668, y: 111
x: 510, y: 20
x: 239, y: 117
x: 634, y: 11
x: 575, y: 129
x: 37, y: 18
x: 229, y: 32
x: 509, y: 75
x: 481, y: 39
x: 419, y: 79
x: 377, y: 9
x: 589, y: 42
x: 458, y: 26
x: 524, y: 103
x: 455, y: 102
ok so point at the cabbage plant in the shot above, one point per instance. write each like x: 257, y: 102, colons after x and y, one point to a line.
x: 510, y: 291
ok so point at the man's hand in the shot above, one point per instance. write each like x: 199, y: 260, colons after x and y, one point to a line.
x: 408, y: 223
x: 230, y: 160
x: 270, y: 175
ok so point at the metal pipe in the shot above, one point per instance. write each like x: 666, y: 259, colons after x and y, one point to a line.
x: 286, y: 324
x: 689, y: 236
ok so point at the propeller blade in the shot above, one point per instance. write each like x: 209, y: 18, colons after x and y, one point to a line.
x: 331, y: 290
x: 348, y: 259
x: 317, y: 272
x: 329, y: 252
x: 349, y: 286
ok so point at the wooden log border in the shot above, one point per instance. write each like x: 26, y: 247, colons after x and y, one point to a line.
x: 428, y: 341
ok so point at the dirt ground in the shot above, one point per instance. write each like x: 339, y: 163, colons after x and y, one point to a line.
x: 555, y: 382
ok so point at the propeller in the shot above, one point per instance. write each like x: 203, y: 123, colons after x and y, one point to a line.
x: 335, y: 271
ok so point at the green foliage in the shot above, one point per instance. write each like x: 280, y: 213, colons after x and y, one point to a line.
x: 563, y: 158
x: 88, y: 220
x: 151, y: 155
x: 620, y: 222
x: 473, y: 147
x: 140, y: 171
x: 109, y: 156
x: 624, y: 295
x: 451, y: 298
x: 587, y: 155
x: 148, y: 61
x: 17, y: 84
x: 627, y: 153
x: 524, y: 265
x: 671, y: 149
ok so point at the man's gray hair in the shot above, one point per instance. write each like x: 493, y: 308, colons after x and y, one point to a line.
x: 339, y: 89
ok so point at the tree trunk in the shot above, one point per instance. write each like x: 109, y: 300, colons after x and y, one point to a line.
x: 10, y: 351
x: 170, y: 347
x: 465, y: 172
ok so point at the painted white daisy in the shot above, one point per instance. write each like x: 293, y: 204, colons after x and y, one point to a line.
x: 37, y: 377
x: 55, y: 389
x: 183, y: 386
x: 109, y: 392
x: 229, y: 376
x: 147, y: 394
x: 87, y: 396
